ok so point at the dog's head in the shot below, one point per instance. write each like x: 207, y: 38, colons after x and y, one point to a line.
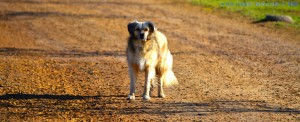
x: 141, y: 30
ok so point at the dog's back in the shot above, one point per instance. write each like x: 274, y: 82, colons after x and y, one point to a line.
x: 165, y: 61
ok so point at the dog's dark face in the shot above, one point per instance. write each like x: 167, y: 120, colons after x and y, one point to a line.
x: 141, y: 30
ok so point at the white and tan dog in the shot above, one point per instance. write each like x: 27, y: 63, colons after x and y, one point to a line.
x: 148, y: 51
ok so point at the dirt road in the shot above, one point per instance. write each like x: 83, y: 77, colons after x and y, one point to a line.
x: 65, y: 60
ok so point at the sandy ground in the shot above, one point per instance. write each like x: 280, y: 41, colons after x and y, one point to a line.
x: 65, y: 60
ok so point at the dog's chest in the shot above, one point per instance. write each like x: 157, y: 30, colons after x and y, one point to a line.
x: 145, y: 54
x: 140, y: 56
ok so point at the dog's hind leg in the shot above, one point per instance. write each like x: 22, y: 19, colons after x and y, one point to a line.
x: 150, y: 75
x: 133, y: 72
x: 160, y: 83
x: 161, y: 93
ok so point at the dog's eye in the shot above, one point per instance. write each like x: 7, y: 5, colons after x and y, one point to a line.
x: 146, y: 29
x: 137, y: 29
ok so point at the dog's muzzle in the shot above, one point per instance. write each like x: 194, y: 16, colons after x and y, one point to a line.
x: 142, y: 36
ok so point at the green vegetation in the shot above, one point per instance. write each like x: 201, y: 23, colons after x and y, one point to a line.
x: 256, y: 9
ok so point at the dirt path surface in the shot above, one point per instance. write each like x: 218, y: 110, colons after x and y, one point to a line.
x: 65, y: 60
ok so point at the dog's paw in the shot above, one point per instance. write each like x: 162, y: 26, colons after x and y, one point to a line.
x: 146, y: 97
x: 161, y: 95
x: 130, y: 97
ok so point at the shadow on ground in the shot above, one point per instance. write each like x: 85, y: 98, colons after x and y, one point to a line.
x: 71, y: 53
x: 21, y: 15
x: 44, y: 96
x: 54, y: 105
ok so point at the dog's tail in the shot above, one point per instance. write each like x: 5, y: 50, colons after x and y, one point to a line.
x: 168, y: 78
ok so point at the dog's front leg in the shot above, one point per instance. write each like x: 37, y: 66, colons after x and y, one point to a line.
x: 149, y: 75
x: 133, y: 72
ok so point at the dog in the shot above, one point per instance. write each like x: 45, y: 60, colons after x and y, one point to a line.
x: 147, y: 51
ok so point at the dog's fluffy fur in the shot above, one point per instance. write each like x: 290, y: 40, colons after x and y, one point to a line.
x: 148, y: 51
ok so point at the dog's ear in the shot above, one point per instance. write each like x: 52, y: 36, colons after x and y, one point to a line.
x: 131, y: 27
x: 151, y: 26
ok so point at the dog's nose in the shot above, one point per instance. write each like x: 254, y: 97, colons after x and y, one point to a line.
x: 142, y: 35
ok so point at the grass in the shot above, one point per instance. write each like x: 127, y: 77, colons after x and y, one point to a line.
x: 256, y: 9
